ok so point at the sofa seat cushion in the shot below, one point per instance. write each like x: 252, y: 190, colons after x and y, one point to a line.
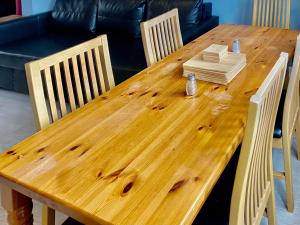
x: 75, y: 15
x: 17, y: 53
x: 190, y: 11
x: 191, y: 31
x: 127, y: 56
x: 115, y: 16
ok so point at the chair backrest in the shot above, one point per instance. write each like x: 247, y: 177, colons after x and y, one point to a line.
x: 161, y: 36
x: 65, y: 81
x: 291, y: 104
x: 253, y: 184
x: 271, y: 13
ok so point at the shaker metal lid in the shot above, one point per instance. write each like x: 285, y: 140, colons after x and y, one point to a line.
x: 191, y: 76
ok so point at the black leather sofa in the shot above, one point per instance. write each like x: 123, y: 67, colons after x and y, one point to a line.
x: 7, y: 7
x: 74, y: 21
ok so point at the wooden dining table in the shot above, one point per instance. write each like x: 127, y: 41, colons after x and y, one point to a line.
x: 144, y: 152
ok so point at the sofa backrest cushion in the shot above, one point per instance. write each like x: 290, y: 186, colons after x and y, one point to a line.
x: 190, y: 11
x: 75, y: 15
x: 121, y: 16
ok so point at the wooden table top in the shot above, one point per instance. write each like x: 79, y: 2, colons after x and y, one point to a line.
x: 144, y: 153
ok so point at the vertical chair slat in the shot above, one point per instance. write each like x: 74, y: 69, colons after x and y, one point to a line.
x: 106, y: 64
x: 160, y: 41
x: 279, y: 10
x: 167, y: 36
x: 70, y: 91
x: 259, y: 12
x: 267, y: 13
x: 254, y: 17
x: 276, y: 13
x: 50, y: 93
x: 92, y: 72
x: 177, y: 32
x: 163, y: 35
x: 288, y: 14
x: 85, y: 78
x: 172, y: 39
x: 77, y: 81
x: 156, y: 50
x: 174, y: 33
x: 152, y: 49
x: 37, y: 95
x: 263, y: 17
x: 100, y: 71
x: 60, y: 90
x: 271, y: 18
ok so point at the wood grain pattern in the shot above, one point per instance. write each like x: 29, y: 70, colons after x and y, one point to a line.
x: 271, y: 13
x: 253, y: 190
x: 144, y: 153
x: 161, y: 36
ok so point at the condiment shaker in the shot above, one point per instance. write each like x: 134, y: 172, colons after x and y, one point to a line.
x: 236, y: 46
x: 191, y: 85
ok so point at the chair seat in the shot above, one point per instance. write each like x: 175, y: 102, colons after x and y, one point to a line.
x: 278, y: 123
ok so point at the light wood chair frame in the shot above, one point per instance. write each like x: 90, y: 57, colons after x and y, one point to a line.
x: 271, y: 13
x: 253, y: 190
x: 93, y: 54
x: 161, y: 36
x: 290, y: 124
x: 100, y: 72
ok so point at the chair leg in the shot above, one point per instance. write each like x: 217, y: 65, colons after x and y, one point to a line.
x: 48, y: 216
x: 298, y: 136
x: 271, y: 212
x: 288, y: 174
x: 17, y: 206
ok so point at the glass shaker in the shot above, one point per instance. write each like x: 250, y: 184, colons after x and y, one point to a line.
x: 191, y: 85
x: 236, y: 46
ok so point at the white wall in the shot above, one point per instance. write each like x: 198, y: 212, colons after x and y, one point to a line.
x: 240, y: 11
x: 30, y: 7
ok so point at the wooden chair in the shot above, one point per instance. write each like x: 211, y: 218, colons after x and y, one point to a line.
x: 67, y: 80
x: 161, y: 36
x: 253, y: 190
x: 271, y: 13
x: 290, y: 123
x: 63, y: 82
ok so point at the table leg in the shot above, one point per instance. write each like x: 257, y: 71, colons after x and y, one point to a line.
x: 17, y: 206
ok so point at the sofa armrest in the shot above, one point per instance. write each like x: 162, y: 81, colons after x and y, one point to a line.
x: 206, y: 10
x: 22, y: 28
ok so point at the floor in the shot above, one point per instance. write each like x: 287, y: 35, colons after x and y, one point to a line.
x: 16, y: 123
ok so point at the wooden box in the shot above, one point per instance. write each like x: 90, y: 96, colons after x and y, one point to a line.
x: 215, y: 64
